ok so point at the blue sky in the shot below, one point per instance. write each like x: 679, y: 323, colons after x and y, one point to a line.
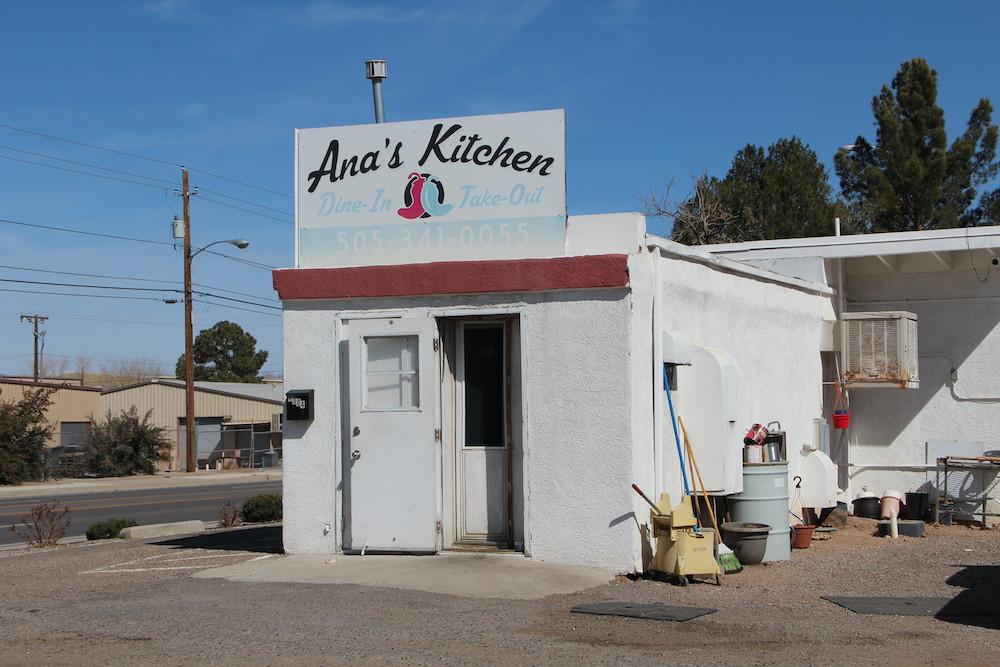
x: 652, y: 91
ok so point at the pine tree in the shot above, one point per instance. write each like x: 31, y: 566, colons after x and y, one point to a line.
x: 911, y: 179
x: 225, y: 353
x: 785, y: 191
x: 782, y: 192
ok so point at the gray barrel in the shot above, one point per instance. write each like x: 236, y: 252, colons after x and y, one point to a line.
x: 764, y: 499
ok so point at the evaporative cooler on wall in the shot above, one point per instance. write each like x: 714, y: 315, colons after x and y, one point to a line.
x: 879, y: 350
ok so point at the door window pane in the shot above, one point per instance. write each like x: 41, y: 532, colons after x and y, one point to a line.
x: 484, y: 384
x: 391, y: 373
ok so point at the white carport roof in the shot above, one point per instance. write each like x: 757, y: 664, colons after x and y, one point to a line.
x: 893, y: 252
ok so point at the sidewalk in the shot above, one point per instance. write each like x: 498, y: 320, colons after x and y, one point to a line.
x: 472, y: 575
x: 163, y: 479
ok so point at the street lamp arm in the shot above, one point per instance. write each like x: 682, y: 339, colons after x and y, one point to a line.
x: 239, y: 243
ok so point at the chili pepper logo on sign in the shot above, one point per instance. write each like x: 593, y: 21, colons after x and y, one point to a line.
x: 424, y: 197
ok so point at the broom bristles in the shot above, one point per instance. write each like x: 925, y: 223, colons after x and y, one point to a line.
x: 728, y: 561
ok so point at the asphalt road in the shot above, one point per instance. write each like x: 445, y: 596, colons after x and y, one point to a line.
x: 146, y: 506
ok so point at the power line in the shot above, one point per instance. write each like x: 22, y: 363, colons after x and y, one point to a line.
x: 244, y: 201
x: 126, y: 238
x: 85, y: 164
x: 151, y: 298
x: 89, y: 296
x: 150, y: 185
x: 142, y: 157
x: 145, y: 280
x: 246, y: 310
x: 120, y: 320
x: 237, y: 208
x: 77, y: 231
x: 133, y: 289
x: 80, y: 143
x: 246, y: 185
x: 248, y: 262
x: 85, y: 173
x: 48, y: 284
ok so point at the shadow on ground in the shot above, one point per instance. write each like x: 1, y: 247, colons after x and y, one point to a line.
x: 977, y: 604
x: 252, y: 539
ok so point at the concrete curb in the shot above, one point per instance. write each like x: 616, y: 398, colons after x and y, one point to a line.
x: 162, y: 529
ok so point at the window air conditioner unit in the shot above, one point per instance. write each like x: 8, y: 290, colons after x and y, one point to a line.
x: 879, y: 350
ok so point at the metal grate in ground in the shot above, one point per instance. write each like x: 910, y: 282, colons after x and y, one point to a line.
x: 892, y: 606
x: 651, y: 612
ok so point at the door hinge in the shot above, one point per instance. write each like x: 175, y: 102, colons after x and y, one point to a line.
x: 437, y: 344
x: 437, y: 435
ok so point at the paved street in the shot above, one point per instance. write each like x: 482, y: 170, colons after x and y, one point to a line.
x: 162, y: 504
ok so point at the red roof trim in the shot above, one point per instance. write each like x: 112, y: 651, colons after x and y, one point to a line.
x: 474, y: 277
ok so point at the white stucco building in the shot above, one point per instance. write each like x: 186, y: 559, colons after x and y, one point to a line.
x: 518, y: 400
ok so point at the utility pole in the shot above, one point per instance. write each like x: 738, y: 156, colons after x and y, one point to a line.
x: 191, y: 438
x: 37, y: 319
x: 190, y: 433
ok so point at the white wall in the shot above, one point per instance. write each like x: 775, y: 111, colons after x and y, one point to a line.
x: 773, y: 331
x: 581, y: 392
x: 582, y: 404
x: 958, y: 315
x: 311, y: 450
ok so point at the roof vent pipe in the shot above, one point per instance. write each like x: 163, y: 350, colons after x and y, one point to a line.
x: 375, y: 70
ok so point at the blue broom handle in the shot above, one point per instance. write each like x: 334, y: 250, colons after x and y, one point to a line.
x: 677, y: 437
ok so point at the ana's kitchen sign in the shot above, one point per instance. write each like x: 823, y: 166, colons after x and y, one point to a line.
x: 481, y: 187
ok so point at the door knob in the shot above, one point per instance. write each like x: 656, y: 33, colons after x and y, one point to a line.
x: 356, y: 455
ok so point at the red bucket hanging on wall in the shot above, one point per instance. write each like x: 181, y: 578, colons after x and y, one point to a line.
x: 841, y: 412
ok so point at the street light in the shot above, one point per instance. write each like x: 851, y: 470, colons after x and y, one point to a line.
x: 191, y: 443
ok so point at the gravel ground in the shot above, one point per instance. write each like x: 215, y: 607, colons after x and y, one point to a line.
x: 134, y: 602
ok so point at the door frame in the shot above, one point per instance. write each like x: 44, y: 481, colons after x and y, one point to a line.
x: 452, y: 413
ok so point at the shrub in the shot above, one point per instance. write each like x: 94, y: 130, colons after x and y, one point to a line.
x: 230, y: 515
x: 45, y: 526
x: 23, y: 434
x: 126, y: 445
x: 262, y: 508
x: 108, y: 529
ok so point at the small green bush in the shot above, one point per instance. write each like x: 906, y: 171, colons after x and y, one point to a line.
x: 109, y: 529
x: 262, y: 508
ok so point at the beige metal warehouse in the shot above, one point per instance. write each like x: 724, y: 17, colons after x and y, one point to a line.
x: 239, y: 424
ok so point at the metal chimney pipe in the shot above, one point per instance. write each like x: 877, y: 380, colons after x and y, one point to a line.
x: 375, y: 70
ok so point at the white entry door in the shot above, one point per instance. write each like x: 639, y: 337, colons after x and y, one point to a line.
x: 482, y: 444
x: 391, y: 456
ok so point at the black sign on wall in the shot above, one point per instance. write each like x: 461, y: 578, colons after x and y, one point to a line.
x: 299, y: 405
